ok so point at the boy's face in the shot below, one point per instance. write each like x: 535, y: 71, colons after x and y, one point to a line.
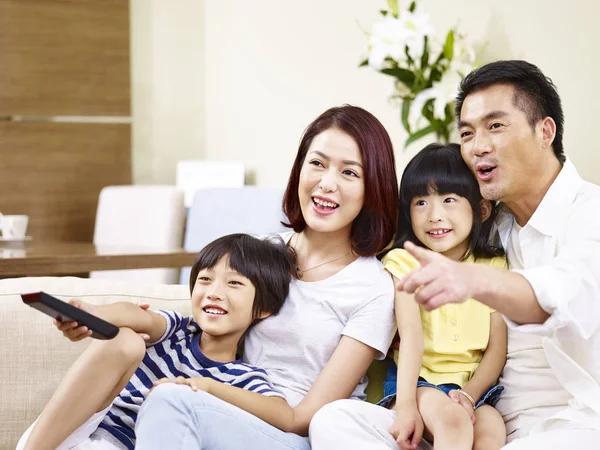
x: 222, y: 301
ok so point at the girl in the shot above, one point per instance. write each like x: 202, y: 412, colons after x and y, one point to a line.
x: 236, y: 281
x: 450, y: 358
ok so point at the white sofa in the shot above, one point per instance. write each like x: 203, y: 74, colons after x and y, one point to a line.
x: 34, y: 356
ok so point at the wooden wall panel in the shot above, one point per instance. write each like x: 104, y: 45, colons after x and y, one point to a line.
x: 54, y: 172
x: 64, y: 57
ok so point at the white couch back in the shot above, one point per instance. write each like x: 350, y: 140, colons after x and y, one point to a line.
x: 34, y: 356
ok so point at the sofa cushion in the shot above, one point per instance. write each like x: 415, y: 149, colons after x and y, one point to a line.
x: 35, y: 356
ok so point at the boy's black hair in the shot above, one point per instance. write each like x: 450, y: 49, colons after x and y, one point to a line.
x: 442, y: 169
x: 267, y: 263
x: 535, y: 93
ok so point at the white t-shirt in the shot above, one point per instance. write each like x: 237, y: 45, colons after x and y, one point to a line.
x: 295, y: 345
x: 532, y: 391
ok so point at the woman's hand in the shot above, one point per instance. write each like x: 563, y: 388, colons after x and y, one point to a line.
x: 408, y: 426
x: 197, y: 384
x: 71, y: 330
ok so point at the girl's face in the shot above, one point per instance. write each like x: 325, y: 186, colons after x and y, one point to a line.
x: 222, y: 301
x: 443, y: 223
x: 332, y: 188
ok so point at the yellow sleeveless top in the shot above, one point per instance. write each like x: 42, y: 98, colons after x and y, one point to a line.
x: 455, y: 335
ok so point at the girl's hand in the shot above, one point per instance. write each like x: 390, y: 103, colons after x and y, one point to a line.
x: 464, y: 402
x: 394, y: 347
x: 71, y: 330
x: 408, y: 426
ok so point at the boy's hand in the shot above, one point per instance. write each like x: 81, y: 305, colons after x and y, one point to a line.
x: 464, y: 402
x: 76, y: 333
x: 408, y: 426
x: 71, y: 330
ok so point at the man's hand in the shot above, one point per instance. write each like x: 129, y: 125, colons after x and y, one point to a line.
x: 464, y: 402
x: 439, y: 280
x: 408, y: 426
x: 197, y: 384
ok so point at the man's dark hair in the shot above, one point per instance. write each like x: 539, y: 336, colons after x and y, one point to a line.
x: 267, y: 263
x: 535, y: 93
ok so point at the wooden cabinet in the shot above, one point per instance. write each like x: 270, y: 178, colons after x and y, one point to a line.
x: 63, y: 58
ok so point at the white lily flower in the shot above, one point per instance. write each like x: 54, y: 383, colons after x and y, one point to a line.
x: 391, y: 36
x: 400, y: 36
x: 447, y: 92
x: 418, y: 26
x: 415, y: 118
x: 388, y: 38
x: 463, y: 60
x: 443, y: 92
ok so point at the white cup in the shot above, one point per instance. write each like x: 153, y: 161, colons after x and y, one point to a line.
x: 13, y: 227
x: 7, y: 253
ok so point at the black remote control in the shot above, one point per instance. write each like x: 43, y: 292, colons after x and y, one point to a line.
x: 64, y: 312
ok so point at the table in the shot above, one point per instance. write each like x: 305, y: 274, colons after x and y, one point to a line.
x: 63, y: 258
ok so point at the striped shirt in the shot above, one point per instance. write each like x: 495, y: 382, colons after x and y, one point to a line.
x: 176, y: 353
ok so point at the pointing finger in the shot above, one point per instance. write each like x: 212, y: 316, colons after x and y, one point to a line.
x: 423, y: 255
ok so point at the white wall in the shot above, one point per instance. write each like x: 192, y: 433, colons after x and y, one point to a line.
x: 167, y: 87
x: 271, y: 66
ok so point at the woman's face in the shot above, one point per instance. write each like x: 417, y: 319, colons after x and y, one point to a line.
x: 332, y: 186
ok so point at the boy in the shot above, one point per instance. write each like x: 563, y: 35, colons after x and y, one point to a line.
x: 235, y: 282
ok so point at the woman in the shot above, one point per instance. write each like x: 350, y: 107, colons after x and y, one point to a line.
x: 338, y: 317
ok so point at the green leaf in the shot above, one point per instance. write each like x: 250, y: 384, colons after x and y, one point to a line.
x: 439, y: 58
x: 404, y: 115
x: 425, y: 56
x: 419, y: 134
x: 405, y: 76
x: 435, y: 75
x: 427, y: 110
x: 364, y: 63
x: 393, y: 6
x: 412, y: 6
x: 449, y: 45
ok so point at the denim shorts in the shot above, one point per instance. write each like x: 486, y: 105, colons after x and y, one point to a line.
x: 491, y: 397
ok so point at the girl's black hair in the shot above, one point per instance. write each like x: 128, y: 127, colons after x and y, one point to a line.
x: 267, y: 263
x: 441, y: 168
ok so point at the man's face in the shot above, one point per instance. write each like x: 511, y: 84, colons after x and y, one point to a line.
x: 499, y: 144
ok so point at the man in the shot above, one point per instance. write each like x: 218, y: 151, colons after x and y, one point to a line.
x: 511, y: 128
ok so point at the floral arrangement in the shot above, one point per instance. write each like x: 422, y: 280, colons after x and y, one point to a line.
x: 428, y: 71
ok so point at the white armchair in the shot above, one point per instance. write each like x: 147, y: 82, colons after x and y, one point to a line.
x: 140, y: 216
x: 220, y: 211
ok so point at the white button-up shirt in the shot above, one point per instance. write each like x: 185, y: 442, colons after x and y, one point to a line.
x: 560, y: 248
